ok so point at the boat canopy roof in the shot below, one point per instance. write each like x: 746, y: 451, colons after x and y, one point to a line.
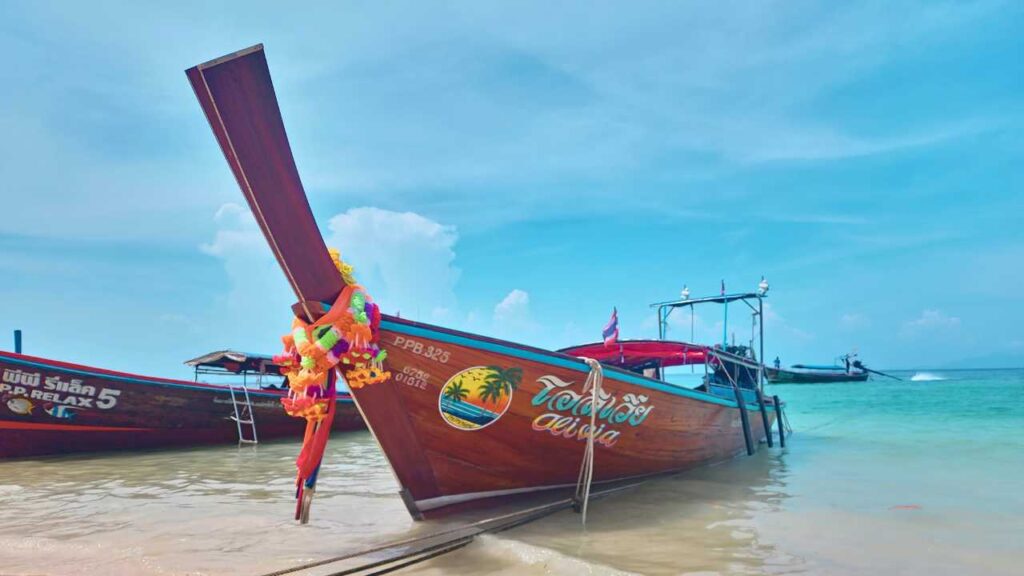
x: 639, y: 354
x: 235, y: 362
x: 818, y: 367
x: 722, y: 299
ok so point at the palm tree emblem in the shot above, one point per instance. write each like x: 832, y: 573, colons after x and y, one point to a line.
x: 456, y: 392
x: 500, y: 382
x: 478, y: 396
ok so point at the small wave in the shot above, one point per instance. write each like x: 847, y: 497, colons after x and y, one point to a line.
x: 10, y: 489
x: 926, y: 377
x: 516, y: 557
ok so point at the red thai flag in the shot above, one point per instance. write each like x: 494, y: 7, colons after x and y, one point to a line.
x: 611, y: 330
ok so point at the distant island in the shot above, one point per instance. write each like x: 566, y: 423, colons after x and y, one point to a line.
x: 988, y: 362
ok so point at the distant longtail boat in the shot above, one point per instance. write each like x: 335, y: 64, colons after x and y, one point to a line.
x: 800, y: 374
x: 49, y: 407
x: 467, y: 420
x: 847, y: 369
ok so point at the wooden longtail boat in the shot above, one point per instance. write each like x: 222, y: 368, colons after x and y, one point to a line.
x: 51, y: 407
x: 466, y: 420
x: 848, y: 368
x: 813, y: 375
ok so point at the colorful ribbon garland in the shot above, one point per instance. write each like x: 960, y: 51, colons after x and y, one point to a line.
x: 344, y: 340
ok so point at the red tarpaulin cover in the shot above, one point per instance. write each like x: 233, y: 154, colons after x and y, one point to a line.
x: 630, y: 353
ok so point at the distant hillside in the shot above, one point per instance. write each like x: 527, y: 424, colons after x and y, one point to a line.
x: 994, y: 360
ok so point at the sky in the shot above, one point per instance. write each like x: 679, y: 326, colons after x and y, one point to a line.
x: 520, y: 169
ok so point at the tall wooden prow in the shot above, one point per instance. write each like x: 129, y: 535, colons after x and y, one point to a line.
x: 237, y: 96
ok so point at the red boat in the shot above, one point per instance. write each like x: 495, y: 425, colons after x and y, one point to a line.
x: 51, y: 407
x: 467, y: 420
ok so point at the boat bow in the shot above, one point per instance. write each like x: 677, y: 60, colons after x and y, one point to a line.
x: 237, y: 95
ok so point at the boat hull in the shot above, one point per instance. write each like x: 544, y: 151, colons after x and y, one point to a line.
x: 448, y: 459
x: 49, y: 407
x: 782, y: 376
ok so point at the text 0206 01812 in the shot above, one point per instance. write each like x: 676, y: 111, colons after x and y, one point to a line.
x: 413, y: 377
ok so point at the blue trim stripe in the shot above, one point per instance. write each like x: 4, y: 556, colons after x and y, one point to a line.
x: 556, y: 360
x: 207, y: 388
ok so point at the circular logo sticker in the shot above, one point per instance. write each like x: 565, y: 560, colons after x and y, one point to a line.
x: 478, y: 396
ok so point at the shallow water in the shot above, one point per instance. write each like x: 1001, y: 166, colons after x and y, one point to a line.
x: 884, y: 477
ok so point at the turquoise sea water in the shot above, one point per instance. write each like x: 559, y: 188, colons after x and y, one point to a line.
x: 922, y: 477
x: 946, y: 446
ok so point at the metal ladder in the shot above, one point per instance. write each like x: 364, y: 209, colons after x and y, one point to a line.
x: 243, y: 415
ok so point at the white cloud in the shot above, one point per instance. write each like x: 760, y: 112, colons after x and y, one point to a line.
x: 853, y: 321
x: 621, y: 91
x: 775, y: 323
x: 255, y: 281
x: 236, y: 233
x: 405, y: 260
x: 703, y: 329
x: 512, y: 317
x: 688, y: 326
x: 930, y: 322
x: 255, y: 308
x: 513, y: 308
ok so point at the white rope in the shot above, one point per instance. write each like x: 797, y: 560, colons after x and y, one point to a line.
x: 586, y: 476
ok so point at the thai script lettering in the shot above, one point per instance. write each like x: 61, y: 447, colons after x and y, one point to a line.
x: 14, y: 376
x: 569, y: 411
x: 72, y: 392
x: 570, y: 427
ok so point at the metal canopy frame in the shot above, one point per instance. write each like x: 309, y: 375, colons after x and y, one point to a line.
x: 753, y: 300
x: 215, y: 364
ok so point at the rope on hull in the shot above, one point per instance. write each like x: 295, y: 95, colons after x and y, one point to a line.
x: 595, y: 380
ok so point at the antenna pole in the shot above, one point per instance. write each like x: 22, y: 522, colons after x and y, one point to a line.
x: 17, y: 341
x: 693, y: 369
x: 760, y: 324
x: 725, y: 326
